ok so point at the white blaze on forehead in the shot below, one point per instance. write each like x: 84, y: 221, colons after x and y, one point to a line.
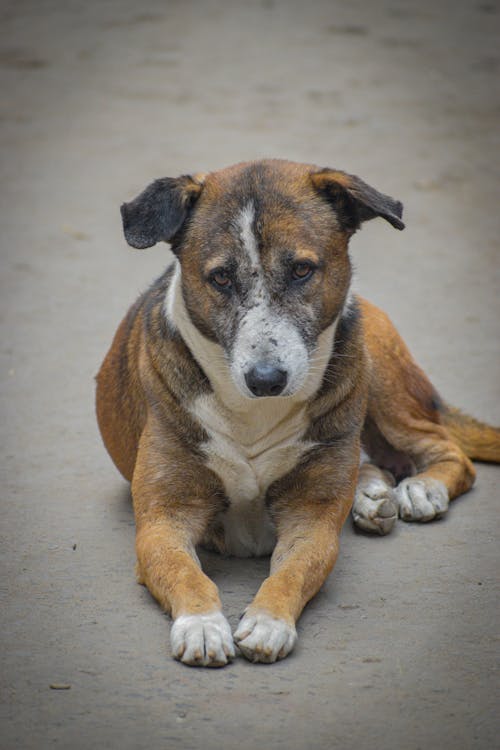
x: 245, y: 222
x: 267, y: 335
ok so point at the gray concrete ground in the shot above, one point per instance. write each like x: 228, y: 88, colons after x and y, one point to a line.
x: 398, y: 649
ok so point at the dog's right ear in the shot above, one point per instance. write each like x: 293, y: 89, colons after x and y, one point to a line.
x: 160, y: 210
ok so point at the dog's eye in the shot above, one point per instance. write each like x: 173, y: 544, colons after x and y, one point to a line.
x: 221, y: 279
x: 302, y: 271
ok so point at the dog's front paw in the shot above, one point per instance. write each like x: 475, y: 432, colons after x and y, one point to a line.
x: 422, y: 499
x: 375, y: 507
x: 202, y: 640
x: 262, y: 638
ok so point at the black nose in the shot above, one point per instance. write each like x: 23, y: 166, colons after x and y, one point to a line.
x: 266, y: 380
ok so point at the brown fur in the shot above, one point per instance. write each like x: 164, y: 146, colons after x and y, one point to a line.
x: 403, y: 405
x: 477, y: 440
x: 149, y: 378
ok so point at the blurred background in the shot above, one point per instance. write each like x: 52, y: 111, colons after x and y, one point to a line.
x: 99, y: 98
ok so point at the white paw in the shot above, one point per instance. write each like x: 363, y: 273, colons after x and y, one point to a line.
x: 263, y: 638
x: 375, y: 507
x: 422, y: 499
x: 202, y: 640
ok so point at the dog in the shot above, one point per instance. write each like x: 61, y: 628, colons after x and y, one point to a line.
x: 242, y: 388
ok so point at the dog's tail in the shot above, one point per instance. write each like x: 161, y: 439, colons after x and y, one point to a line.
x: 479, y: 441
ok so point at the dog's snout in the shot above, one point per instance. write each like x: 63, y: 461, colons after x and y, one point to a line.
x: 266, y: 380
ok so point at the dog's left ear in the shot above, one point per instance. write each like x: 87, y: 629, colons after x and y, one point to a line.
x: 160, y: 210
x: 355, y: 201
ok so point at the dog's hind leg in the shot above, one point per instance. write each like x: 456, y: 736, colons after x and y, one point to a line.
x: 405, y: 409
x: 424, y: 478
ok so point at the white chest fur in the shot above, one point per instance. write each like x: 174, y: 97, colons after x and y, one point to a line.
x: 249, y: 450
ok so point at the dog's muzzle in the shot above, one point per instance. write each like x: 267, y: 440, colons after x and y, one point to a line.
x: 266, y: 380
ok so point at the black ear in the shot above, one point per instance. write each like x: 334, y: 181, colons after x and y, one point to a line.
x: 355, y: 200
x: 159, y: 211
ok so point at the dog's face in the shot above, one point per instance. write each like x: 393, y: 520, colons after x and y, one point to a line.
x: 265, y: 267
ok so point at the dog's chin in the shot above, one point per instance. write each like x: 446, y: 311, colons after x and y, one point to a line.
x: 252, y: 397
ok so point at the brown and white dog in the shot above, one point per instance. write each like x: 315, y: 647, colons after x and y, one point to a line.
x: 241, y: 387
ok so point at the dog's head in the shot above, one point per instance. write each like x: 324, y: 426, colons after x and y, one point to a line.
x: 263, y: 252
